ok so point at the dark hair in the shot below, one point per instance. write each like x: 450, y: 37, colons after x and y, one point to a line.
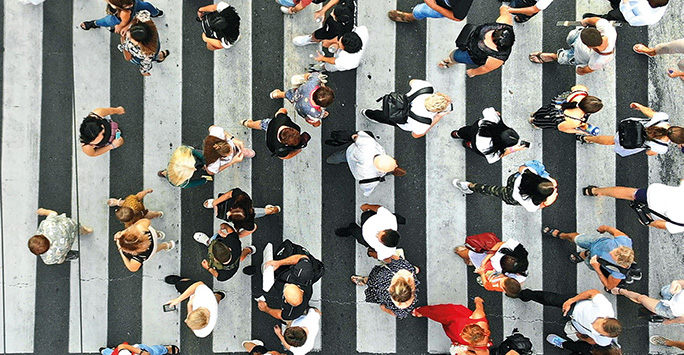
x: 675, y: 133
x: 38, y: 244
x: 503, y: 38
x: 226, y: 24
x: 290, y: 136
x: 390, y: 238
x: 535, y: 187
x: 221, y: 252
x: 514, y: 261
x: 605, y: 350
x: 591, y: 37
x: 324, y: 96
x: 657, y: 3
x: 90, y: 128
x: 214, y: 148
x: 145, y: 33
x: 502, y: 136
x: 589, y: 104
x: 344, y: 13
x: 512, y: 287
x: 242, y: 212
x: 295, y: 336
x: 613, y: 327
x: 352, y: 42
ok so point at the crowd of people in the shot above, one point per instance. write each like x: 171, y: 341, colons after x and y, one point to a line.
x: 393, y: 283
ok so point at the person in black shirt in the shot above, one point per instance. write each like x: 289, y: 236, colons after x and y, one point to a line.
x: 235, y: 206
x: 456, y: 10
x: 283, y: 137
x: 225, y: 252
x: 340, y: 21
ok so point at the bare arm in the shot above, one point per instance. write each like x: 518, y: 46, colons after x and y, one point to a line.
x: 245, y: 233
x: 140, y: 195
x: 644, y: 109
x: 479, y: 311
x: 612, y: 230
x: 660, y: 224
x: 131, y: 265
x: 489, y: 65
x: 529, y: 11
x: 189, y: 292
x: 368, y: 207
x: 588, y: 294
x: 505, y: 15
x: 583, y: 70
x: 609, y: 282
x: 590, y: 21
x: 125, y: 16
x: 213, y: 41
x: 95, y: 152
x: 208, y: 8
x: 434, y: 122
x: 107, y: 111
x: 275, y: 313
x: 290, y: 260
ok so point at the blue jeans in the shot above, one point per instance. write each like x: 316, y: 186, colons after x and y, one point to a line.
x: 288, y: 3
x: 461, y: 56
x: 111, y: 20
x: 153, y: 350
x: 422, y: 11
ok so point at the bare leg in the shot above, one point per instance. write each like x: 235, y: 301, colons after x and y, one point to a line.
x: 153, y: 214
x: 549, y: 57
x: 570, y: 237
x: 253, y: 124
x: 603, y: 140
x: 83, y: 230
x: 163, y: 246
x: 676, y: 344
x: 245, y: 253
x: 249, y: 346
x: 619, y: 192
x: 140, y: 195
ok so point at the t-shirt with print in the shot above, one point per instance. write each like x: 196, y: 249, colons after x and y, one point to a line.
x: 348, y: 61
x: 596, y: 61
x: 666, y: 201
x: 272, y: 142
x: 204, y: 297
x: 383, y: 219
x: 61, y: 231
x: 220, y: 133
x: 587, y: 311
x: 604, y: 245
x: 418, y: 108
x: 312, y: 322
x: 302, y: 98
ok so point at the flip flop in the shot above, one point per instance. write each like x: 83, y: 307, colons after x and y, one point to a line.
x: 576, y: 258
x: 549, y: 232
x: 587, y: 191
x: 446, y: 63
x: 87, y: 25
x: 536, y: 57
x: 639, y: 48
x: 359, y: 280
x: 174, y: 349
x: 166, y: 54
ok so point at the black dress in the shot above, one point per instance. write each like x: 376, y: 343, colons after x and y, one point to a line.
x: 379, y: 281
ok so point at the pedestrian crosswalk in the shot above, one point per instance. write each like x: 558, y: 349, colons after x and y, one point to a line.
x: 106, y: 304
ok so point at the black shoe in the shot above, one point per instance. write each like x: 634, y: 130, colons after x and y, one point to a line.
x: 656, y: 319
x: 172, y: 279
x: 160, y: 14
x: 454, y: 134
x: 249, y: 270
x: 342, y: 232
x: 71, y: 255
x: 220, y: 293
x: 589, y: 14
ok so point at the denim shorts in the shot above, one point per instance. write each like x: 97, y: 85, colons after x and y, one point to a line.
x: 641, y: 195
x: 422, y: 11
x: 664, y: 311
x: 461, y: 56
x: 288, y: 3
x: 585, y: 241
x: 264, y: 123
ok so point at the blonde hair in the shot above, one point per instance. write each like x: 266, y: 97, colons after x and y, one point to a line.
x: 181, y: 166
x: 474, y: 334
x: 400, y: 290
x: 198, y: 318
x: 437, y: 102
x: 624, y: 256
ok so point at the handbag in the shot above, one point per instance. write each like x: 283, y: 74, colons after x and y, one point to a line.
x: 644, y: 214
x: 466, y: 33
x: 482, y: 243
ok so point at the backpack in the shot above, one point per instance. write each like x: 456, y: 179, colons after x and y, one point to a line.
x: 216, y: 17
x: 517, y: 342
x: 633, y: 273
x: 482, y: 243
x: 397, y: 107
x: 288, y: 248
x: 632, y: 133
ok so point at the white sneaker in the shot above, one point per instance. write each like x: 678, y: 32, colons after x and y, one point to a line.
x: 208, y: 203
x: 658, y: 340
x: 201, y: 238
x: 301, y: 41
x: 160, y: 235
x: 252, y: 248
x: 256, y: 342
x: 172, y: 244
x: 285, y: 10
x: 462, y: 186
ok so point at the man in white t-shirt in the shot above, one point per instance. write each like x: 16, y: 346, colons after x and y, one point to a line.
x: 592, y: 316
x: 668, y: 310
x: 591, y: 47
x: 635, y: 12
x: 349, y: 50
x: 202, y: 303
x: 427, y: 108
x: 299, y: 338
x: 523, y: 12
x: 378, y: 231
x: 661, y: 199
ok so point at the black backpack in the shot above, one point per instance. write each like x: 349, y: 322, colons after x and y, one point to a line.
x: 632, y: 133
x: 632, y: 273
x: 515, y: 341
x: 397, y: 107
x: 288, y: 248
x: 231, y: 30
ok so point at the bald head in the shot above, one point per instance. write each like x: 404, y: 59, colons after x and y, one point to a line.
x: 385, y: 163
x: 293, y: 294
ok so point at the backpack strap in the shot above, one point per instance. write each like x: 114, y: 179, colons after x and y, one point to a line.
x: 425, y: 90
x: 421, y: 119
x: 663, y: 217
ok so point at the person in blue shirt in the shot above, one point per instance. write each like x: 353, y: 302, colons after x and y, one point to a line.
x: 615, y: 249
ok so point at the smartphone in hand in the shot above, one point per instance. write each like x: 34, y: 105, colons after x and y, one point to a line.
x: 169, y: 308
x: 525, y: 144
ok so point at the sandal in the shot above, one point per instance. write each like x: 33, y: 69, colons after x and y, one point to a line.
x: 582, y: 139
x: 359, y: 280
x: 161, y: 173
x: 87, y: 25
x: 244, y: 123
x: 588, y: 191
x: 576, y: 258
x: 166, y: 55
x: 640, y: 49
x: 113, y: 202
x: 273, y: 94
x: 536, y: 57
x: 446, y: 63
x: 549, y: 232
x: 616, y: 290
x: 208, y: 203
x: 174, y: 349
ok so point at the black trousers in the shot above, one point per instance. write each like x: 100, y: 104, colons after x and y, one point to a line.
x: 355, y: 229
x: 379, y: 116
x: 258, y: 350
x: 545, y: 298
x: 577, y: 347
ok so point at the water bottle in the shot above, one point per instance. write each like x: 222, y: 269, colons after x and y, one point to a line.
x: 589, y: 129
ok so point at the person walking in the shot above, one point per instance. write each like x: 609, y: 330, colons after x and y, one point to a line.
x: 186, y: 168
x: 567, y: 112
x: 310, y: 99
x: 425, y: 109
x: 140, y: 349
x: 99, y: 133
x: 367, y: 160
x: 284, y: 138
x: 339, y: 22
x: 131, y: 209
x: 291, y: 7
x: 224, y: 252
x: 220, y: 25
x: 347, y: 51
x: 221, y: 150
x: 663, y: 341
x: 139, y: 242
x: 591, y: 47
x: 120, y: 13
x: 393, y: 286
x: 256, y: 347
x: 530, y: 187
x: 299, y: 337
x: 140, y: 43
x: 378, y: 231
x: 654, y: 133
x: 455, y: 10
x: 468, y: 330
x: 55, y: 236
x: 235, y: 207
x: 673, y: 47
x: 202, y: 303
x: 600, y: 253
x: 490, y: 137
x: 668, y: 310
x: 488, y: 45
